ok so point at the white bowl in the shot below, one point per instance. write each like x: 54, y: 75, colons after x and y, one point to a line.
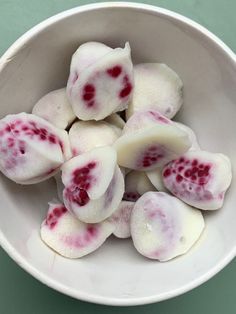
x: 39, y: 62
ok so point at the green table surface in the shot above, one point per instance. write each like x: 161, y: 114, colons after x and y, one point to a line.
x: 22, y: 294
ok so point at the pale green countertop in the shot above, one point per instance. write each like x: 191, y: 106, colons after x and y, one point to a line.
x: 22, y: 294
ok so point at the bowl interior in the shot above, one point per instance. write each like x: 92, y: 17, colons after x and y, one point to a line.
x: 116, y: 274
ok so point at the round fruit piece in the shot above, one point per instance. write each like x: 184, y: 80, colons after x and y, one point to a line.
x: 91, y: 171
x: 70, y: 237
x: 94, y: 185
x: 163, y: 227
x: 157, y: 87
x: 31, y: 149
x: 91, y: 210
x: 151, y: 141
x: 199, y: 178
x: 102, y: 87
x: 155, y: 176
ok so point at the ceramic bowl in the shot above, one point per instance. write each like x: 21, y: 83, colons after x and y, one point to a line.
x: 37, y: 63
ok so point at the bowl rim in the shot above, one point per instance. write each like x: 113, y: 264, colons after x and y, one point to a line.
x: 8, y: 247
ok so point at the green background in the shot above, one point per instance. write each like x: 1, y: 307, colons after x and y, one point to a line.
x: 19, y: 292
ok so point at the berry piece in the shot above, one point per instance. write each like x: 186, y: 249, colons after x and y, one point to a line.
x: 149, y: 141
x: 163, y: 227
x: 105, y: 81
x: 70, y: 237
x: 157, y: 87
x: 31, y: 149
x: 199, y: 178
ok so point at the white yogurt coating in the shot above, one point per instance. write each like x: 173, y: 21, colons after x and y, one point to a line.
x: 145, y: 119
x: 121, y: 219
x: 192, y: 136
x: 199, y: 178
x: 163, y: 227
x: 103, y: 86
x: 94, y: 185
x: 91, y: 171
x: 155, y: 177
x: 157, y: 87
x: 70, y: 237
x: 149, y: 141
x: 87, y: 135
x: 31, y: 149
x: 59, y: 185
x: 86, y: 55
x: 55, y: 108
x: 95, y: 210
x: 116, y: 120
x: 136, y: 184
